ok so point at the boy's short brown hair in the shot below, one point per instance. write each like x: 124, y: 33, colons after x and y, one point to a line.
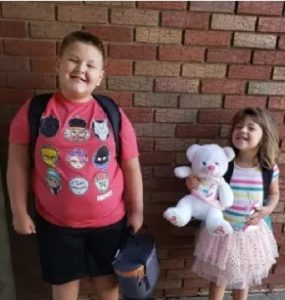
x: 83, y: 37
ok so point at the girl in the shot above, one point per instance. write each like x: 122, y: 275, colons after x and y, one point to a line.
x: 244, y: 258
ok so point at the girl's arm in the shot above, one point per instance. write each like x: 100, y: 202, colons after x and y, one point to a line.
x: 133, y: 192
x: 18, y: 176
x: 273, y: 198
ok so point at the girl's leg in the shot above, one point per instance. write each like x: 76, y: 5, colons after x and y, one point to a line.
x: 240, y: 294
x: 66, y: 291
x: 106, y: 288
x: 216, y: 292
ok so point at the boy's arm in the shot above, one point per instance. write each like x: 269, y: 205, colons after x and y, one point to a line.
x: 133, y: 191
x: 18, y: 176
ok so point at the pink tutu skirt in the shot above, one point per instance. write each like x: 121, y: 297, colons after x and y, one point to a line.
x: 236, y: 261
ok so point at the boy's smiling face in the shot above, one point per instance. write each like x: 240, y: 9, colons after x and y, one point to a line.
x: 80, y: 71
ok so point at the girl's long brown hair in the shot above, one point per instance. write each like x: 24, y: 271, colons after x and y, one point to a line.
x: 269, y: 144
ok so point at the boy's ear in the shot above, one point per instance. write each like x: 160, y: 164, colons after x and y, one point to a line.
x: 101, y: 76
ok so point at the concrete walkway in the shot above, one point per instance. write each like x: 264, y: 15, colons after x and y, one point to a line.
x: 272, y: 296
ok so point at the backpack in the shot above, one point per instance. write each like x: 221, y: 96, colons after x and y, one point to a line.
x: 266, y: 177
x: 39, y: 103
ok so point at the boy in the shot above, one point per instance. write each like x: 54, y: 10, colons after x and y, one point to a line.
x: 77, y: 181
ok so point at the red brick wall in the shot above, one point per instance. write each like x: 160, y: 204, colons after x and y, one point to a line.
x: 180, y: 70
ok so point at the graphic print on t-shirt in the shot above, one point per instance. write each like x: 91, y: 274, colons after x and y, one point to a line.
x: 53, y: 181
x: 76, y: 131
x: 101, y: 181
x: 101, y: 157
x: 49, y: 155
x: 78, y: 185
x: 77, y: 158
x: 49, y: 126
x: 100, y: 129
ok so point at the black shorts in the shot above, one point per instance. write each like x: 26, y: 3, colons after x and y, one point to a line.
x: 67, y: 254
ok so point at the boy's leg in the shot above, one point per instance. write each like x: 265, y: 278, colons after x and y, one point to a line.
x: 216, y: 292
x: 66, y: 291
x: 106, y: 287
x: 240, y: 294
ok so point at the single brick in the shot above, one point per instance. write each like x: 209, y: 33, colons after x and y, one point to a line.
x: 119, y: 67
x: 135, y: 52
x: 243, y: 101
x: 238, y: 56
x: 130, y: 83
x: 31, y: 80
x: 82, y: 13
x: 279, y: 73
x: 181, y: 53
x: 158, y: 35
x: 200, y: 101
x: 254, y: 40
x: 29, y: 11
x: 207, y: 38
x: 29, y: 48
x: 260, y: 7
x: 14, y: 63
x: 269, y: 57
x: 185, y: 20
x: 276, y: 102
x: 204, y: 70
x: 52, y: 30
x: 155, y: 68
x: 267, y: 24
x: 229, y: 22
x: 249, y: 72
x: 215, y: 6
x: 197, y: 131
x: 134, y: 17
x: 162, y: 5
x: 112, y: 33
x: 215, y: 116
x: 178, y: 85
x: 13, y: 29
x: 151, y: 130
x: 220, y: 86
x: 171, y: 115
x: 155, y: 100
x: 266, y: 88
x: 139, y: 115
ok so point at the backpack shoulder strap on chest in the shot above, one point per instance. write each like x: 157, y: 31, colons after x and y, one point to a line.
x: 229, y: 172
x: 267, y: 175
x: 114, y: 116
x: 36, y: 108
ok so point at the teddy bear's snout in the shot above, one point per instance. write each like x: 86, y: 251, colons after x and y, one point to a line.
x: 211, y: 168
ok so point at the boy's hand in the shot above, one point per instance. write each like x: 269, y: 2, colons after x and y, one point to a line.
x: 259, y: 214
x: 23, y: 224
x: 135, y: 220
x: 192, y: 182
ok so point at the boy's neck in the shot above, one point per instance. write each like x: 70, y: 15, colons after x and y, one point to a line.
x: 74, y: 98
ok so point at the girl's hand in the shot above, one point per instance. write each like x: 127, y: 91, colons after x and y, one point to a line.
x: 135, y: 220
x: 23, y: 224
x: 259, y: 214
x: 192, y: 182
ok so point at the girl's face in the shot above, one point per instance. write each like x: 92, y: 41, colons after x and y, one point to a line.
x: 247, y: 135
x: 80, y: 71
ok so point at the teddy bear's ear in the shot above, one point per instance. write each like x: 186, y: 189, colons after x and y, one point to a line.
x: 230, y: 154
x: 191, y: 151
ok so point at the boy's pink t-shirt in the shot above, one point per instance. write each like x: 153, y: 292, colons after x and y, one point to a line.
x: 77, y: 180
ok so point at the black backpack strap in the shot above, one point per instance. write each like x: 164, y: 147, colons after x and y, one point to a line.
x: 113, y: 113
x: 36, y: 108
x: 267, y: 175
x: 229, y: 172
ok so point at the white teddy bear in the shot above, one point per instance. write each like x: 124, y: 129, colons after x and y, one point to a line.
x: 209, y: 163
